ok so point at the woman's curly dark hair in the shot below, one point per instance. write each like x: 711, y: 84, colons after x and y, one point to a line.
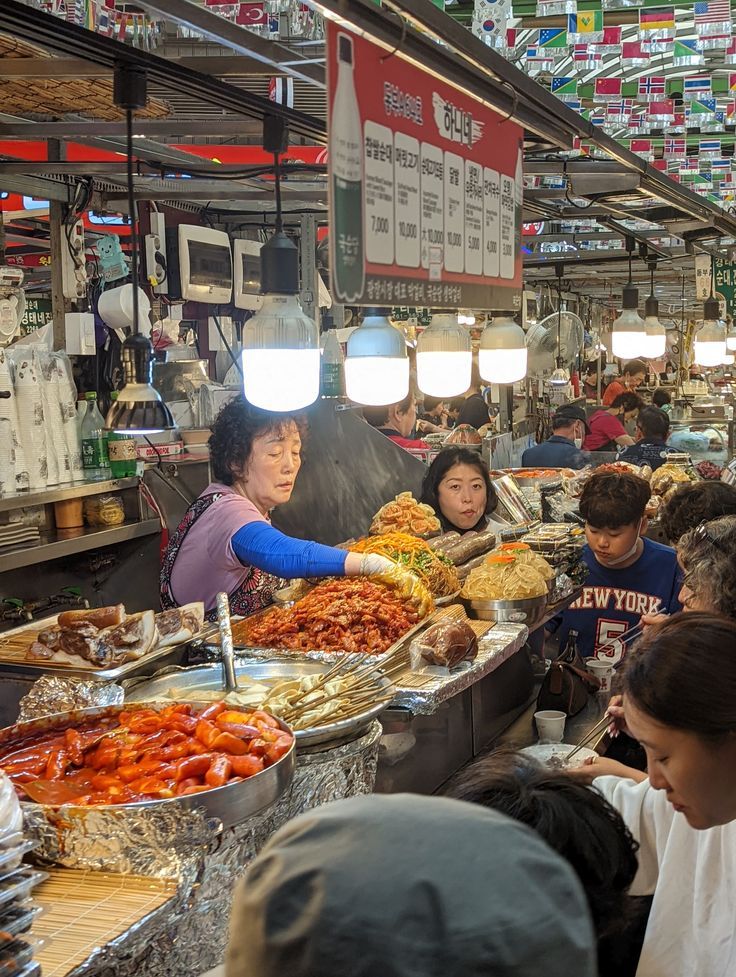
x: 233, y: 433
x: 445, y: 460
x: 695, y: 503
x: 708, y: 558
x: 573, y: 819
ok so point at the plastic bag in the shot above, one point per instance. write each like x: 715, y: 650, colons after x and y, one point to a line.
x: 446, y: 643
x: 104, y: 510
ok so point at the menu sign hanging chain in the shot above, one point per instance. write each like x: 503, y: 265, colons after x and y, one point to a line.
x: 425, y: 186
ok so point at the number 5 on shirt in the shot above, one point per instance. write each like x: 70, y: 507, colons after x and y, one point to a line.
x: 607, y: 634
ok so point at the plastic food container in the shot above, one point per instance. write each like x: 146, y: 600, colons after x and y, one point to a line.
x: 69, y: 514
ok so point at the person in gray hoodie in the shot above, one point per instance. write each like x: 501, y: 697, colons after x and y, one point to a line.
x: 409, y: 886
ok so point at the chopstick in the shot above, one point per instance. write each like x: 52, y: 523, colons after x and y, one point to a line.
x: 600, y: 727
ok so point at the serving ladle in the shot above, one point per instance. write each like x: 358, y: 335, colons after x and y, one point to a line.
x: 229, y: 679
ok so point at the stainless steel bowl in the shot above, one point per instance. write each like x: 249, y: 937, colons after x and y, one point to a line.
x: 209, y: 677
x: 529, y: 611
x: 229, y: 804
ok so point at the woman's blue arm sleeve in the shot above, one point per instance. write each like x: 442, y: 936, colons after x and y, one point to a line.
x: 260, y: 545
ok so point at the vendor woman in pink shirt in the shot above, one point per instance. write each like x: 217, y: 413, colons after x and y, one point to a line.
x: 226, y: 542
x: 606, y: 431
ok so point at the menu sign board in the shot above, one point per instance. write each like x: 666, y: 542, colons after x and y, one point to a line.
x: 425, y: 186
x: 725, y: 284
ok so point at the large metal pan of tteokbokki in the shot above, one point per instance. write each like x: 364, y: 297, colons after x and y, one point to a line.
x: 231, y: 763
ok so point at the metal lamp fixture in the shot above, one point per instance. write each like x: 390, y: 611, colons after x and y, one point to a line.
x: 655, y: 341
x: 376, y: 364
x: 281, y: 355
x: 444, y: 358
x: 628, y: 332
x: 710, y: 339
x: 139, y: 408
x: 503, y: 354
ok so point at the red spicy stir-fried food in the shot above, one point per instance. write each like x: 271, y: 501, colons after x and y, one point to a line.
x: 145, y: 755
x: 339, y: 615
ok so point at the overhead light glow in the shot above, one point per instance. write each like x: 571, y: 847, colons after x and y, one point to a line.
x: 444, y: 358
x: 503, y: 354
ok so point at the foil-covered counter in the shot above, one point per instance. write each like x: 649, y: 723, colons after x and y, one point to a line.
x: 189, y: 934
x: 423, y: 691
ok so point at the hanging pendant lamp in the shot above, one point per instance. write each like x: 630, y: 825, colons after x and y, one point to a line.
x: 710, y: 340
x: 628, y: 332
x: 376, y: 362
x: 139, y: 408
x: 655, y: 340
x: 444, y: 358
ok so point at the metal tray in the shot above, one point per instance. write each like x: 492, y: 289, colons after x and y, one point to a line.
x: 210, y: 677
x: 126, y: 670
x: 291, y: 654
x: 230, y: 804
x: 531, y: 482
x: 528, y: 610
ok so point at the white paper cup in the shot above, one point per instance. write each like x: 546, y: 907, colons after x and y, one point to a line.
x: 603, y: 671
x: 550, y: 725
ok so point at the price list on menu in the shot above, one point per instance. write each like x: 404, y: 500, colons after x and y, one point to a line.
x: 426, y: 187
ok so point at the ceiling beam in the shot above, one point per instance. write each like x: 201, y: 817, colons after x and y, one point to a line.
x: 219, y: 65
x: 158, y: 129
x: 269, y: 53
x: 55, y: 34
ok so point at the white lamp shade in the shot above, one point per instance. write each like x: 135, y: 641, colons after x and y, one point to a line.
x: 502, y: 357
x: 709, y: 353
x: 731, y: 341
x: 628, y: 334
x: 729, y: 359
x: 377, y: 380
x: 281, y: 356
x: 376, y: 365
x: 655, y: 341
x: 444, y: 358
x: 710, y: 343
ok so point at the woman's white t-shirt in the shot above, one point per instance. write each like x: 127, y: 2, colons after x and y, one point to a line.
x: 692, y: 925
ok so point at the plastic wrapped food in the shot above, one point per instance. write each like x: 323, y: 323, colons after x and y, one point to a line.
x: 104, y: 510
x: 464, y: 434
x: 668, y: 476
x: 471, y: 545
x: 446, y: 643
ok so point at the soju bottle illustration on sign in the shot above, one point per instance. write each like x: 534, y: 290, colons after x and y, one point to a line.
x: 346, y: 156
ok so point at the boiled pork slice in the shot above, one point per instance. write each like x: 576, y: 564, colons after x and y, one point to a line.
x: 129, y: 641
x: 179, y: 624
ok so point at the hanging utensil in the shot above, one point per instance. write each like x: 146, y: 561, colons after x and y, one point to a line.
x: 230, y: 682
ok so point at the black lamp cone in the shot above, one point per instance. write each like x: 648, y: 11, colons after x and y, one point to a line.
x: 139, y: 407
x: 711, y: 308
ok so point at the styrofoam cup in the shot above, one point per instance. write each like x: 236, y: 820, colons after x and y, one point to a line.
x: 603, y: 671
x: 550, y: 725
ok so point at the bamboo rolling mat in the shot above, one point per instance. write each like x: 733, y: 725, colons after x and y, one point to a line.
x: 84, y: 910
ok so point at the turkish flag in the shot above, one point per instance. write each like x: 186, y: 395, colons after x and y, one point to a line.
x: 252, y: 15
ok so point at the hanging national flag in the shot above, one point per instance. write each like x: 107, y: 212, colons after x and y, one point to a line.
x: 729, y: 112
x: 281, y: 90
x: 674, y: 148
x: 687, y: 54
x: 709, y: 147
x: 598, y: 120
x: 564, y: 87
x: 538, y: 60
x: 619, y: 111
x: 575, y: 105
x: 555, y: 38
x: 662, y: 111
x: 611, y: 43
x: 699, y: 110
x: 660, y: 164
x: 652, y: 87
x: 642, y: 147
x: 691, y: 165
x: 638, y: 123
x: 252, y: 15
x: 585, y: 56
x: 633, y: 55
x: 660, y: 21
x: 730, y: 52
x: 585, y: 26
x: 607, y: 89
x: 715, y: 42
x: 721, y: 165
x: 549, y: 8
x: 695, y: 86
x: 712, y: 16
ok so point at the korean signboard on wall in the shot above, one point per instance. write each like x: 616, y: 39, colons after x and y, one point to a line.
x: 425, y: 186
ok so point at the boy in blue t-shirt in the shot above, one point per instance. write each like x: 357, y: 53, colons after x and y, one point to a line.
x: 628, y: 576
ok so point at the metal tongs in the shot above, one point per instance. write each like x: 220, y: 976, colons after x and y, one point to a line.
x: 229, y: 679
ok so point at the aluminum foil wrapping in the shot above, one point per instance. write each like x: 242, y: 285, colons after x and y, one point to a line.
x: 424, y: 690
x: 189, y: 934
x: 52, y: 693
